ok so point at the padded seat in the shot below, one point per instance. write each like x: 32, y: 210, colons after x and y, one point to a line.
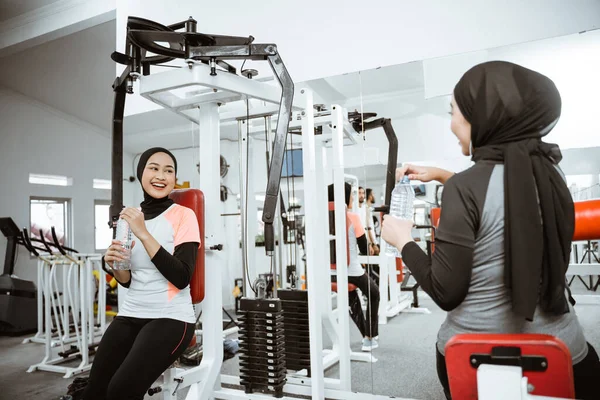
x: 545, y: 360
x: 334, y: 287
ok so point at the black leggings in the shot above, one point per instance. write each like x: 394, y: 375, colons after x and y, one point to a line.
x: 132, y: 355
x: 368, y: 327
x: 586, y: 374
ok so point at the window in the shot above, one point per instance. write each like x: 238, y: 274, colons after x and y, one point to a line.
x: 102, y: 184
x: 102, y: 232
x: 46, y: 213
x: 54, y: 180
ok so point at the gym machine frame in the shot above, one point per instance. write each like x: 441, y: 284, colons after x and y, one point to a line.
x: 225, y: 86
x: 197, y: 49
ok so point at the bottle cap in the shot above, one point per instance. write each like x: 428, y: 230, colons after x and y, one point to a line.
x: 405, y: 180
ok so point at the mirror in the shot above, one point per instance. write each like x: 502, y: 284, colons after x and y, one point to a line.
x: 416, y: 97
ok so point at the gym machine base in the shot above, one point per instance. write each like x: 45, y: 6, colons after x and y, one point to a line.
x: 17, y: 296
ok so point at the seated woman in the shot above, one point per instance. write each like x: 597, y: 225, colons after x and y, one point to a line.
x: 504, y: 238
x: 157, y: 321
x: 357, y: 240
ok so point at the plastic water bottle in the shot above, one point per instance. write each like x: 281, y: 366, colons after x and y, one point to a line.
x: 401, y: 206
x: 124, y: 236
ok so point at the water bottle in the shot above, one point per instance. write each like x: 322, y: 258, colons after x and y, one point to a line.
x: 124, y: 236
x: 401, y: 206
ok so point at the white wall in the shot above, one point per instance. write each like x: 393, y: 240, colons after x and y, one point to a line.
x: 318, y: 39
x: 571, y: 61
x: 35, y: 138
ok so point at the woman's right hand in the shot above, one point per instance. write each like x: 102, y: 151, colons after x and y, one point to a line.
x: 423, y: 173
x: 115, y: 252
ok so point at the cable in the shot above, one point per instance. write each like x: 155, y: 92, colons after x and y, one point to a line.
x: 290, y: 200
x: 246, y: 195
x: 287, y: 182
x: 587, y: 188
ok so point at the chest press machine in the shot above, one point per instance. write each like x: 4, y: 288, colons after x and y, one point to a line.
x: 206, y: 57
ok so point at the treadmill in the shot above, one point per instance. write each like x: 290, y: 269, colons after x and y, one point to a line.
x: 18, y: 303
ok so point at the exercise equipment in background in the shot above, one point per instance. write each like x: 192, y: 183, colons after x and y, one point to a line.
x: 18, y: 306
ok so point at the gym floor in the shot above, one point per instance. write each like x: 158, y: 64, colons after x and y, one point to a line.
x: 406, y: 347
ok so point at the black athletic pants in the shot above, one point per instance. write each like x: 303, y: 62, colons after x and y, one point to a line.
x: 368, y: 327
x: 132, y: 355
x: 586, y: 374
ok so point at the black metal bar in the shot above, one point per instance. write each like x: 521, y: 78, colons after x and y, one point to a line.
x: 56, y: 244
x: 189, y: 25
x: 62, y: 249
x: 121, y: 81
x: 116, y: 204
x: 390, y: 177
x: 281, y: 131
x: 28, y: 245
x: 43, y: 239
x: 259, y: 51
x: 10, y: 256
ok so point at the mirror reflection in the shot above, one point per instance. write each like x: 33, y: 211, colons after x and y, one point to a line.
x: 417, y: 98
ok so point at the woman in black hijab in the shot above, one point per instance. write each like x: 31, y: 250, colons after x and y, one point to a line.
x: 504, y: 237
x: 156, y: 320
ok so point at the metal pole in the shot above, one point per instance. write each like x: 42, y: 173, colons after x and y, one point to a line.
x: 312, y: 244
x: 243, y: 216
x: 212, y: 315
x: 340, y: 250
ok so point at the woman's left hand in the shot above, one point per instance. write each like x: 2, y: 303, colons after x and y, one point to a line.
x: 135, y: 219
x: 396, y: 232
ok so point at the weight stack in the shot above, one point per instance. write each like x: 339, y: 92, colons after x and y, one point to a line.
x: 297, y: 335
x: 262, y: 346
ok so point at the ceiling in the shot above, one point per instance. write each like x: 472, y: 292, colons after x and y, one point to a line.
x: 12, y: 8
x: 72, y: 74
x: 392, y: 92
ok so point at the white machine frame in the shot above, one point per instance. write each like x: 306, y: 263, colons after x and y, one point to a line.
x: 584, y: 269
x: 205, y: 380
x: 76, y: 303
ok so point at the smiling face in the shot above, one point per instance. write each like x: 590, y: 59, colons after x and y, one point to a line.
x: 460, y: 127
x: 158, y: 179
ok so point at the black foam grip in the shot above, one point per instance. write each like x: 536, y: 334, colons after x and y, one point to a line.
x: 269, y: 238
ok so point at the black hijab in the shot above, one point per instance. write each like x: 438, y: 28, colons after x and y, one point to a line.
x: 152, y: 207
x: 510, y: 109
x: 347, y: 193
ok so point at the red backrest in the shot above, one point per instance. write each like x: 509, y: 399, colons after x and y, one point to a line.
x: 556, y: 380
x: 400, y: 269
x: 332, y: 232
x: 435, y: 215
x: 587, y: 220
x: 436, y: 212
x: 194, y: 199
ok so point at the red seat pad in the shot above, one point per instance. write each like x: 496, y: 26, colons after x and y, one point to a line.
x: 555, y: 381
